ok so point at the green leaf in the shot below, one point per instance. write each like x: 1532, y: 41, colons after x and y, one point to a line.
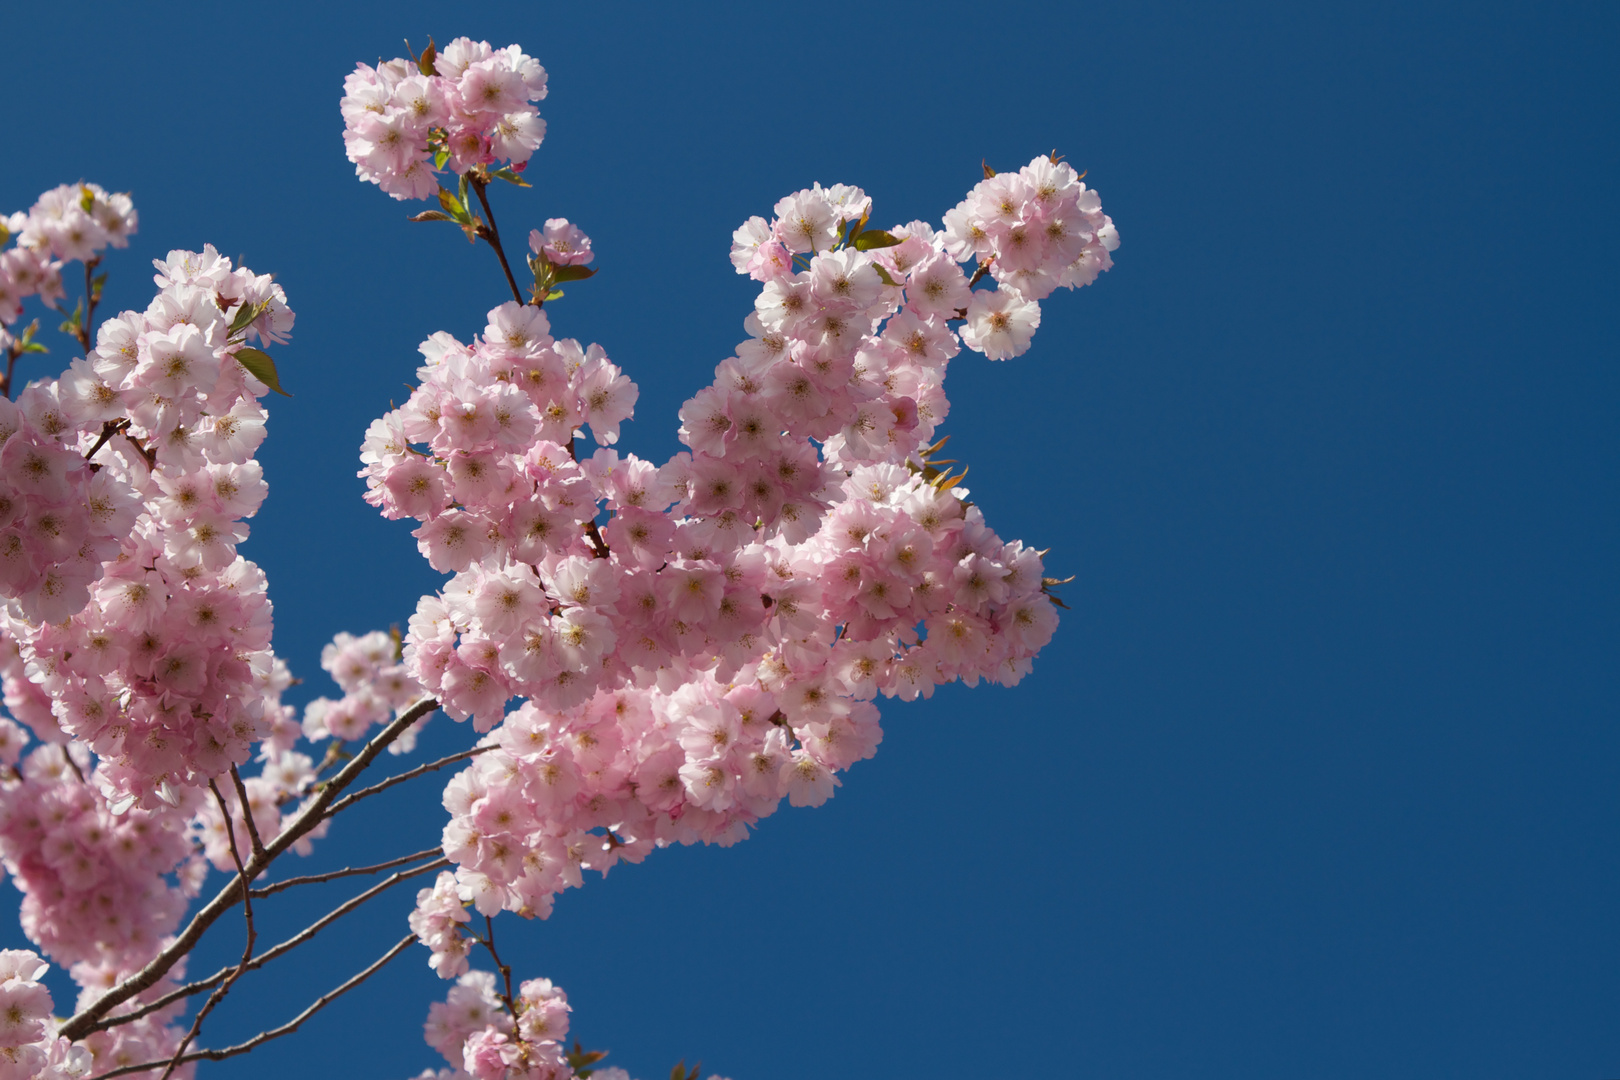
x: 431, y: 215
x: 425, y: 64
x: 98, y: 283
x: 261, y: 367
x: 440, y: 158
x: 5, y: 235
x: 87, y: 199
x: 554, y: 294
x: 34, y: 346
x: 452, y: 205
x: 245, y: 315
x: 71, y: 324
x: 884, y: 274
x: 572, y: 273
x: 875, y: 238
x: 511, y: 177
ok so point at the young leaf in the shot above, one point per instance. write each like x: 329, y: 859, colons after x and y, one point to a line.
x: 572, y: 273
x: 554, y: 294
x: 431, y: 215
x: 875, y: 238
x: 884, y: 274
x: 511, y: 177
x: 261, y: 367
x: 425, y: 64
x: 439, y: 158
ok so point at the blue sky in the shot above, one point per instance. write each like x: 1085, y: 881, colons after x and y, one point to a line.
x: 1317, y: 777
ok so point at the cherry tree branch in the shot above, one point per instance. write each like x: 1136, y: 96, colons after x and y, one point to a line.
x: 313, y: 814
x: 247, y: 908
x: 409, y: 774
x: 247, y: 818
x: 284, y: 947
x: 347, y: 871
x: 493, y: 234
x: 274, y: 1033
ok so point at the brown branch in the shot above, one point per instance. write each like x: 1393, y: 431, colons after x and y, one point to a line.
x: 312, y: 815
x: 493, y: 234
x: 247, y: 950
x: 409, y: 774
x: 274, y: 1033
x: 506, y: 971
x: 247, y: 817
x: 274, y: 951
x: 347, y: 871
x: 108, y: 430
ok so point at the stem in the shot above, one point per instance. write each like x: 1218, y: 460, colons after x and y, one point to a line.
x: 347, y: 871
x: 506, y: 971
x: 312, y: 815
x: 108, y: 430
x: 493, y: 235
x: 274, y: 1033
x: 247, y: 817
x: 270, y: 954
x: 247, y: 950
x: 410, y: 774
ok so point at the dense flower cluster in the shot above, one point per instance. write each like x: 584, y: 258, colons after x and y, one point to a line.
x: 714, y: 644
x: 73, y: 222
x: 481, y: 1039
x: 30, y: 1049
x: 160, y: 660
x: 376, y: 686
x: 468, y: 106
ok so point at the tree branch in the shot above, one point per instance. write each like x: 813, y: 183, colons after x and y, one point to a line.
x: 274, y: 1033
x: 247, y: 817
x: 247, y: 950
x: 312, y: 815
x: 409, y: 774
x: 493, y: 235
x: 347, y: 871
x: 271, y: 953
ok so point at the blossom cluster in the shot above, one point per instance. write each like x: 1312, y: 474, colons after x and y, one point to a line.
x: 481, y: 1039
x: 157, y: 651
x: 375, y: 684
x: 699, y: 640
x: 73, y: 222
x: 468, y: 106
x: 30, y: 1048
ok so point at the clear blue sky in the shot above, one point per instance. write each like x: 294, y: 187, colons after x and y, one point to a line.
x: 1317, y: 779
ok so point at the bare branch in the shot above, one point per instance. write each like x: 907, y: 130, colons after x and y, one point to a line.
x: 247, y: 950
x: 274, y: 1033
x: 409, y: 774
x: 506, y: 971
x: 247, y: 815
x: 274, y: 951
x: 347, y: 871
x: 312, y: 815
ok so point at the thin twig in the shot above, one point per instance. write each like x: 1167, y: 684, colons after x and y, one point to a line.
x: 247, y: 816
x: 271, y: 953
x: 347, y: 871
x: 493, y: 235
x: 108, y: 430
x: 409, y: 774
x: 505, y: 970
x: 307, y: 819
x: 247, y: 950
x: 274, y: 1033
